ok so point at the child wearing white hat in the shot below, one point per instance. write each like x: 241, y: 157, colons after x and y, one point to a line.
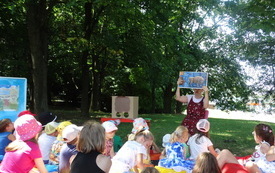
x: 110, y: 131
x: 200, y: 141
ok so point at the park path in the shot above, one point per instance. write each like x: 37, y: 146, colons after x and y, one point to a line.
x: 214, y: 113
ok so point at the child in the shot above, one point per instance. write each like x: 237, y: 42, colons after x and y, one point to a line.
x: 57, y: 144
x: 206, y: 163
x: 131, y: 154
x: 200, y: 141
x: 263, y: 135
x: 90, y: 145
x: 110, y: 131
x: 24, y: 153
x: 6, y: 136
x: 176, y: 152
x: 46, y: 140
x: 196, y: 105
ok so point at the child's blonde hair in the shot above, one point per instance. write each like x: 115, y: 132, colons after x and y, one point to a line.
x: 144, y: 133
x: 3, y: 124
x: 179, y: 133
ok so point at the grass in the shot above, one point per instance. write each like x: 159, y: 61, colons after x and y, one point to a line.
x: 234, y: 135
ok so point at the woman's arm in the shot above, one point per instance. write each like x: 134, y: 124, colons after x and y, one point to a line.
x: 206, y: 97
x: 40, y: 165
x: 103, y: 162
x: 180, y: 98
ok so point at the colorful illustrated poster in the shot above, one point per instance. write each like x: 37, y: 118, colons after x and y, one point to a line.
x: 195, y: 80
x: 13, y: 97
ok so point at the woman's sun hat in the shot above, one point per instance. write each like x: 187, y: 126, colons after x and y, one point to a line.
x: 203, y: 125
x: 26, y: 127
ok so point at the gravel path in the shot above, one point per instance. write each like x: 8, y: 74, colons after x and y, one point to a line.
x: 213, y: 113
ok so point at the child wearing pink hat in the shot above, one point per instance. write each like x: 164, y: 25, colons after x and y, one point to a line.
x: 23, y: 154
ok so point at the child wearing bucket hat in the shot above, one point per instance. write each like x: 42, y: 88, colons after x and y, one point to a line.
x: 110, y: 131
x: 46, y: 140
x: 200, y: 141
x: 23, y: 154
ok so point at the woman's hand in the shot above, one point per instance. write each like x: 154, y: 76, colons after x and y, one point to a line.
x: 205, y: 89
x: 180, y: 81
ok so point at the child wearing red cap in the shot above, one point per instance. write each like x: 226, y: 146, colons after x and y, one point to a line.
x: 23, y: 154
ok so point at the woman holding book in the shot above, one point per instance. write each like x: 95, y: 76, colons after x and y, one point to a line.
x: 196, y: 105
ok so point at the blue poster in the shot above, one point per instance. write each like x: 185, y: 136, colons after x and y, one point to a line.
x: 195, y: 80
x: 13, y: 97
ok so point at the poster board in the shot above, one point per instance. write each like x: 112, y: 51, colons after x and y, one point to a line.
x: 195, y: 80
x: 13, y: 97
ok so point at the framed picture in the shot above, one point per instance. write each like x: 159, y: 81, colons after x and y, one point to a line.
x: 13, y: 97
x: 195, y: 80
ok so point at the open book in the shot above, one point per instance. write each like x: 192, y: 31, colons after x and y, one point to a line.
x: 194, y: 80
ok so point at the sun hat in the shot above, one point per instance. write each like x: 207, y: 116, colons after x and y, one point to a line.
x: 70, y: 132
x: 51, y: 127
x: 139, y: 124
x: 26, y: 127
x: 166, y: 139
x: 46, y: 117
x: 60, y: 128
x: 116, y: 122
x: 26, y: 112
x: 109, y: 126
x: 203, y: 125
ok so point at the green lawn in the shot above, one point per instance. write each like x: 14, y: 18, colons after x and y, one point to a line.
x: 234, y: 135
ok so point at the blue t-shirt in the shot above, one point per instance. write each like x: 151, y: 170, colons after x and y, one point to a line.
x: 66, y: 153
x: 4, y: 141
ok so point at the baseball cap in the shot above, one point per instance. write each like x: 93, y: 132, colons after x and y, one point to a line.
x: 46, y: 117
x: 166, y: 139
x: 51, y: 127
x: 26, y: 112
x: 203, y: 125
x: 109, y: 126
x: 70, y: 132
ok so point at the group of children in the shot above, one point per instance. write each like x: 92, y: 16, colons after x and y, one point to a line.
x: 43, y: 145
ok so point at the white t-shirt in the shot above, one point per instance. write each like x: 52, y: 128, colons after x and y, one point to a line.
x: 194, y: 98
x: 45, y: 143
x: 126, y: 158
x: 198, y: 148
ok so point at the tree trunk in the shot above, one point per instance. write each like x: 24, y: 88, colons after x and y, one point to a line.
x: 96, y: 83
x: 153, y: 97
x: 37, y: 23
x: 85, y: 77
x: 167, y: 99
